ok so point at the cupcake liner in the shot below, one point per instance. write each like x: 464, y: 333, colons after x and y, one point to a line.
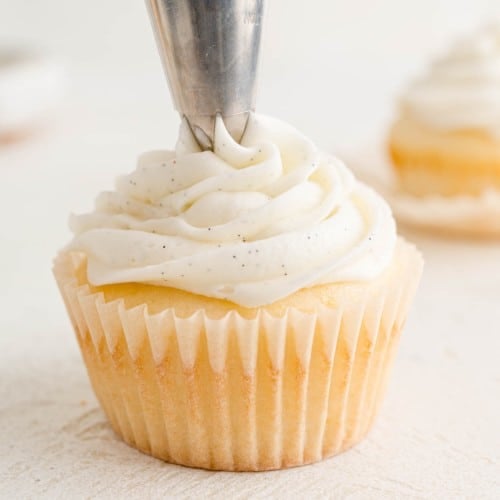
x: 460, y: 215
x: 234, y: 393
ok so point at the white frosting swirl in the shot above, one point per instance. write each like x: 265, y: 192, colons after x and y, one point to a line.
x: 250, y: 223
x: 462, y: 89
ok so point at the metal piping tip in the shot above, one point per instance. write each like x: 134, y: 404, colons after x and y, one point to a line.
x: 210, y: 53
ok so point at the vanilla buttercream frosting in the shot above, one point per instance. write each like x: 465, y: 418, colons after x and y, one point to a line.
x: 250, y: 222
x: 462, y: 88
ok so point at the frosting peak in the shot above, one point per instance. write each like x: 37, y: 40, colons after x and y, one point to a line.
x: 462, y: 88
x: 250, y: 222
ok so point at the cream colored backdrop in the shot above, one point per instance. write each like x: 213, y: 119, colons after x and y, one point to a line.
x: 344, y: 58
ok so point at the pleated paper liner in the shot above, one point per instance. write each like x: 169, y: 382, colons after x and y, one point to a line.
x: 466, y: 215
x: 235, y: 393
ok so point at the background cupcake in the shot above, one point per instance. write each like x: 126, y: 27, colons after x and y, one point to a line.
x: 31, y: 87
x: 446, y: 140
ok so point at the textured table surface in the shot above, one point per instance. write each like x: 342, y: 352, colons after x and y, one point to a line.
x: 438, y: 434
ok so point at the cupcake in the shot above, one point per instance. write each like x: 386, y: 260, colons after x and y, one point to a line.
x: 446, y: 141
x: 239, y: 309
x: 31, y: 86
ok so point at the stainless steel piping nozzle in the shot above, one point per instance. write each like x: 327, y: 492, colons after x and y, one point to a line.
x: 210, y: 51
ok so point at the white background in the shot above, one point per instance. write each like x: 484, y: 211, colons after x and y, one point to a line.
x: 332, y: 68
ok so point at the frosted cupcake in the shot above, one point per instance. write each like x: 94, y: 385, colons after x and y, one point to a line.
x: 239, y: 309
x: 447, y: 138
x: 31, y: 86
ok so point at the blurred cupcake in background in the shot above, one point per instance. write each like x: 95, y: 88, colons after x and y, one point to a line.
x: 447, y: 138
x: 444, y: 146
x: 31, y: 86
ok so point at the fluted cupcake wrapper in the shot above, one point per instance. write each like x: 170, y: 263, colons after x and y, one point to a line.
x: 236, y: 393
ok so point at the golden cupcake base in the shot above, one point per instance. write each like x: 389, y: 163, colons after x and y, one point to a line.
x: 432, y: 162
x: 240, y: 390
